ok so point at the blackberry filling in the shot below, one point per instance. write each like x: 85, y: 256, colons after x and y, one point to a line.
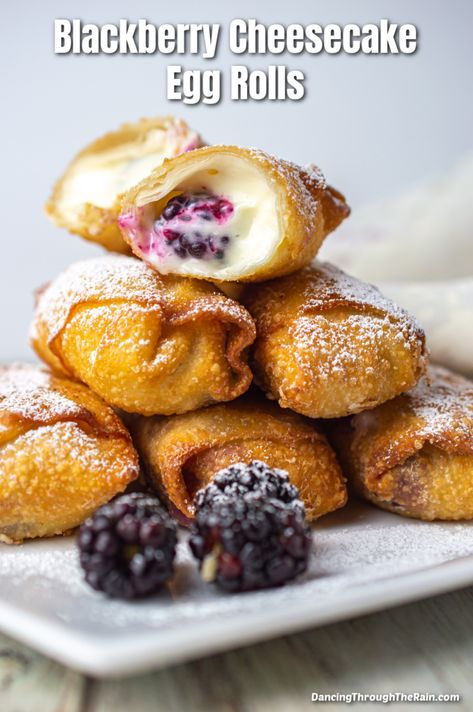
x: 192, y: 225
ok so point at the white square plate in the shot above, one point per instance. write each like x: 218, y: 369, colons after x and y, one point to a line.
x: 364, y: 560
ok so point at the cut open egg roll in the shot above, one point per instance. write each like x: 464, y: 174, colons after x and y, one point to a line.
x: 63, y: 453
x: 183, y: 453
x: 147, y: 344
x: 329, y: 345
x: 414, y: 454
x: 225, y: 213
x: 86, y: 199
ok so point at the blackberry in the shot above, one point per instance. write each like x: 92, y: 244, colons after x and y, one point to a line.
x: 188, y: 223
x: 250, y: 541
x: 240, y: 479
x: 250, y: 530
x: 127, y: 546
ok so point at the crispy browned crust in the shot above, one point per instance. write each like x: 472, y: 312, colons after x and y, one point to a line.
x: 146, y: 343
x: 63, y: 453
x: 329, y: 345
x: 184, y: 452
x: 308, y: 208
x: 93, y: 222
x: 31, y: 397
x: 414, y: 454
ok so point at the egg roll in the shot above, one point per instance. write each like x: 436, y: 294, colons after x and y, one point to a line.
x: 63, y: 453
x: 329, y: 345
x: 86, y: 199
x: 225, y: 213
x: 181, y: 454
x: 414, y: 455
x: 145, y: 343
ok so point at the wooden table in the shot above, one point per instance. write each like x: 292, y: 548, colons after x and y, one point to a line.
x: 426, y: 646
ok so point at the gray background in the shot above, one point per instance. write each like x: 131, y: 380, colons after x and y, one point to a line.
x: 374, y: 124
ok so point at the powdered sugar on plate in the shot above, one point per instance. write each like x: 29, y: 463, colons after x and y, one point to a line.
x: 356, y: 547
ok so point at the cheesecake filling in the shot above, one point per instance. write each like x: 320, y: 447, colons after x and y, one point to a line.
x: 218, y: 223
x: 99, y: 178
x: 193, y: 225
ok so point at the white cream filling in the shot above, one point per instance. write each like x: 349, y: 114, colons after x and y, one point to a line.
x: 253, y: 228
x: 98, y: 179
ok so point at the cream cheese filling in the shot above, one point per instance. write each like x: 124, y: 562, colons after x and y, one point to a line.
x: 98, y: 179
x: 253, y: 227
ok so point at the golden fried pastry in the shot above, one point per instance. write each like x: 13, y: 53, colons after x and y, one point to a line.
x: 183, y: 453
x: 86, y: 200
x: 147, y: 344
x: 63, y: 453
x: 414, y: 454
x: 225, y: 213
x: 329, y: 345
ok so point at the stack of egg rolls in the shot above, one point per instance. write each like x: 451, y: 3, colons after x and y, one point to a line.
x: 218, y: 337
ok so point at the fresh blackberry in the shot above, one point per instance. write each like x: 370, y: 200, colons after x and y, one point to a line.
x: 127, y: 546
x: 240, y: 479
x: 250, y: 541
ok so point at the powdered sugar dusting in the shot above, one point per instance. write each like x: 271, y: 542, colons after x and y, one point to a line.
x: 301, y: 185
x: 439, y: 411
x: 116, y: 278
x: 27, y: 392
x: 103, y: 463
x: 321, y: 289
x: 443, y: 403
x: 356, y: 338
x: 331, y: 287
x: 109, y: 278
x: 353, y: 548
x: 60, y: 421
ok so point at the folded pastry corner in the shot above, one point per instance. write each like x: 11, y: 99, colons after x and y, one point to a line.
x: 225, y: 213
x: 182, y: 454
x: 87, y: 198
x: 145, y: 343
x: 63, y: 453
x: 414, y: 455
x: 329, y: 345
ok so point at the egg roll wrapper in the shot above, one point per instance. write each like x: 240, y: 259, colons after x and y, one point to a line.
x: 414, y: 454
x: 63, y: 453
x: 329, y: 345
x: 86, y: 199
x: 145, y: 343
x: 306, y: 210
x: 183, y: 453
